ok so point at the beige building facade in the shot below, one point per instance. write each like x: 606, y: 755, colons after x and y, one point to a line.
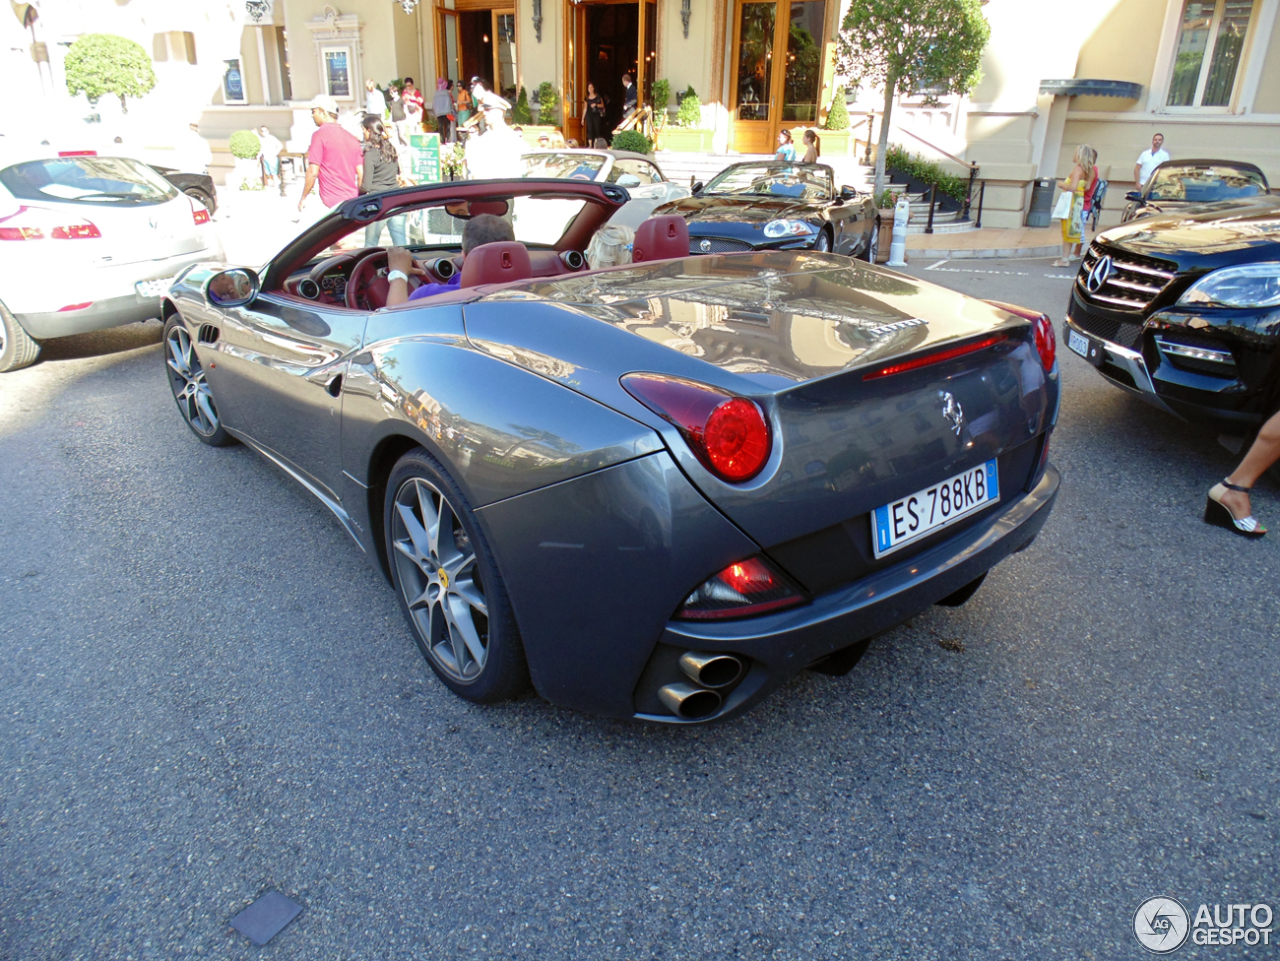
x: 1110, y: 74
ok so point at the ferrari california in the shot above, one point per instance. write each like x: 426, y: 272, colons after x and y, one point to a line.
x: 653, y: 491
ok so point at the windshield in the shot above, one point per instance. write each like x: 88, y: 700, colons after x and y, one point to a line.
x: 778, y: 180
x: 536, y: 222
x: 1202, y: 185
x: 563, y: 166
x: 97, y: 181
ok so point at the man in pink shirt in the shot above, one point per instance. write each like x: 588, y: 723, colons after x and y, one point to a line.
x: 334, y: 157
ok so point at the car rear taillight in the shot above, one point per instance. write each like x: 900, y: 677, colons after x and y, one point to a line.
x: 729, y: 434
x: 199, y: 213
x: 937, y: 357
x: 1046, y: 339
x: 32, y: 223
x: 742, y: 589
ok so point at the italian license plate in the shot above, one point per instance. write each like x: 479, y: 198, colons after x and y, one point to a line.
x: 898, y: 524
x: 1086, y: 347
x: 149, y: 289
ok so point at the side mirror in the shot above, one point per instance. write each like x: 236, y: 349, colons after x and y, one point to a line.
x: 628, y: 180
x: 696, y: 186
x: 848, y: 193
x: 232, y: 288
x: 1134, y: 195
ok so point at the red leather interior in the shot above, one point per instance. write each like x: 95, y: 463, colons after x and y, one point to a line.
x: 660, y: 238
x: 498, y: 263
x: 547, y: 263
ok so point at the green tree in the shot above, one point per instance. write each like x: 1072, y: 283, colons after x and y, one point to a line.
x: 661, y: 97
x: 520, y: 113
x: 910, y: 44
x: 102, y: 63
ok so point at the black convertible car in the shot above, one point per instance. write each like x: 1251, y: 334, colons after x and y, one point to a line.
x: 778, y: 206
x: 199, y: 187
x: 1176, y: 185
x: 1184, y: 310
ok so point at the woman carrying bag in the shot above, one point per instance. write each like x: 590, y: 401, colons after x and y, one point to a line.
x: 1070, y: 206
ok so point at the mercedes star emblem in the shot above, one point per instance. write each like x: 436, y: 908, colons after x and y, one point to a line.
x: 1098, y: 274
x: 705, y: 246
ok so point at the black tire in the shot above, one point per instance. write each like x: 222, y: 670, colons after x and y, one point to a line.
x: 200, y: 197
x: 823, y: 243
x: 450, y: 590
x: 190, y: 391
x: 17, y: 348
x: 873, y: 243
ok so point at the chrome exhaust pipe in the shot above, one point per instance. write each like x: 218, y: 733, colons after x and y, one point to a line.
x: 689, y: 702
x: 711, y: 670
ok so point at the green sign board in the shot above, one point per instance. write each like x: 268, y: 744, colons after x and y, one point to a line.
x: 424, y: 157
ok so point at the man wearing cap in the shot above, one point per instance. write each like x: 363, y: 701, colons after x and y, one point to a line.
x: 334, y: 157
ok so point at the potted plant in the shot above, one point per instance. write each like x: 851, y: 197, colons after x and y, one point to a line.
x: 632, y: 140
x: 837, y: 138
x: 661, y: 97
x: 548, y: 120
x: 247, y: 173
x: 688, y: 133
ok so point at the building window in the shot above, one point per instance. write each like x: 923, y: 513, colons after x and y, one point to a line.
x: 337, y: 72
x: 233, y: 82
x: 1211, y: 40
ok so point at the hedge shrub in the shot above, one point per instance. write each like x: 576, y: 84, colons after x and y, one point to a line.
x: 548, y: 104
x: 838, y: 115
x: 632, y: 140
x: 244, y: 145
x: 520, y: 113
x: 690, y: 112
x: 926, y: 171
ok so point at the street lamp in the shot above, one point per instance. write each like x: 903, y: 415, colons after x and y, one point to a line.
x: 685, y: 13
x: 537, y: 19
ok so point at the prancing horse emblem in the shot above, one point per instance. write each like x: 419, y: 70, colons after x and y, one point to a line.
x: 952, y: 413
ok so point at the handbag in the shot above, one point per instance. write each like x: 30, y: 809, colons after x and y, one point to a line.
x: 1062, y: 209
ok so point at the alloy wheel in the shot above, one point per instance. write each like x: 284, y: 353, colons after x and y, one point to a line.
x: 190, y: 388
x: 440, y: 580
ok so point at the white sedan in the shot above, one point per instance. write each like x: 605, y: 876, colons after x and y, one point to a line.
x: 88, y: 242
x: 634, y: 171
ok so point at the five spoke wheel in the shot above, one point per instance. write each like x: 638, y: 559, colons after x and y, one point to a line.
x: 440, y: 580
x: 190, y: 389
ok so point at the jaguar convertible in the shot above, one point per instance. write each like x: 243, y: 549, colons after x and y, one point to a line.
x: 778, y: 206
x: 655, y: 491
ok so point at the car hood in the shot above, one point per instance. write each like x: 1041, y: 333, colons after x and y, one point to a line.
x: 773, y: 318
x: 739, y: 209
x: 1239, y: 230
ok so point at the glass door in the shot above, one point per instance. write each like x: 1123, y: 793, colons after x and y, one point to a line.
x: 753, y: 96
x: 447, y: 46
x: 774, y: 90
x: 504, y: 54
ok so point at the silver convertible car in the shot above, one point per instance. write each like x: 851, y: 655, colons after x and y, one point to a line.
x: 658, y: 490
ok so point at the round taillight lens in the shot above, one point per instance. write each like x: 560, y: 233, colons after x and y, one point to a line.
x: 736, y: 439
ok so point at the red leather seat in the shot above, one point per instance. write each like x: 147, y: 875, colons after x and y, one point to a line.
x: 660, y: 238
x: 497, y: 263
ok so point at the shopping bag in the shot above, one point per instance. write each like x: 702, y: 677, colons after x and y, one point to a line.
x: 1062, y: 209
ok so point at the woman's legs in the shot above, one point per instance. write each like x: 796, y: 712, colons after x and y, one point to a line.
x: 396, y: 225
x: 372, y: 233
x: 1264, y: 452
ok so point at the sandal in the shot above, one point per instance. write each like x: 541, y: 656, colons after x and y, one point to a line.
x: 1060, y: 262
x: 1219, y: 515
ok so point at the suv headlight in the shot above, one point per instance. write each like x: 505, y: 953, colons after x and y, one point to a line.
x: 787, y: 228
x: 1250, y: 285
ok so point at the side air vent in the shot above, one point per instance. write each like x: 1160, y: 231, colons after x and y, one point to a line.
x: 309, y: 288
x: 572, y: 259
x: 208, y: 334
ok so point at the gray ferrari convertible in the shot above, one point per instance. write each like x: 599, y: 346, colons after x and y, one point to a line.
x: 658, y: 490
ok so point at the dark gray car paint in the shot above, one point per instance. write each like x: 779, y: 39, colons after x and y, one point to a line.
x: 600, y: 533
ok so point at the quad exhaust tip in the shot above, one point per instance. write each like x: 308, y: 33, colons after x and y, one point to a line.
x: 711, y: 670
x: 689, y: 702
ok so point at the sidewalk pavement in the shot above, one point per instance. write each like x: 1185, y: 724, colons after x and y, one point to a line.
x: 987, y: 242
x: 256, y: 224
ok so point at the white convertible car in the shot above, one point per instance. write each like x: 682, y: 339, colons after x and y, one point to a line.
x: 641, y: 177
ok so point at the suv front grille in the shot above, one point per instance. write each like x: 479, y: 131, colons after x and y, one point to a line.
x: 716, y: 245
x: 1132, y: 284
x: 1119, y: 332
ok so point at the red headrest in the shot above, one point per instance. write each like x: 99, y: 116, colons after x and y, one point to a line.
x: 660, y: 238
x: 497, y: 263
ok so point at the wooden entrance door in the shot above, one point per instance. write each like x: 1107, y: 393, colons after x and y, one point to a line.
x: 777, y: 70
x: 601, y: 60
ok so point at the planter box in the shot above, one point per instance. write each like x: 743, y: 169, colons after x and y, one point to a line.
x: 837, y: 143
x: 683, y: 140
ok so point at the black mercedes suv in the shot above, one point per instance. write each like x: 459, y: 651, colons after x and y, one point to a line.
x: 1184, y: 310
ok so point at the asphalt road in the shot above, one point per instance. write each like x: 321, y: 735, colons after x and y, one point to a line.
x: 206, y: 693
